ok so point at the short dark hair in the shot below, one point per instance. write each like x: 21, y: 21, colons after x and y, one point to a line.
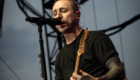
x: 74, y: 4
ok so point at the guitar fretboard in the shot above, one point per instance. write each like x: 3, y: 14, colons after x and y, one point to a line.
x: 77, y: 66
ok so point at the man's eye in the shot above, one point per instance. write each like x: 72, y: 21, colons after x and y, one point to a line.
x: 64, y: 11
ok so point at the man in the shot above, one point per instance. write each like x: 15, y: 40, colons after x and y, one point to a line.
x: 100, y: 62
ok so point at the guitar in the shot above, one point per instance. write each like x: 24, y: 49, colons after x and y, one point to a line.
x: 81, y: 50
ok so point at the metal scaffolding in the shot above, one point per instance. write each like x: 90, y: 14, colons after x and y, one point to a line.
x: 1, y: 15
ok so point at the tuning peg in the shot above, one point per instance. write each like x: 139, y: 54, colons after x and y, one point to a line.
x: 39, y: 55
x: 40, y: 69
x: 81, y: 40
x: 41, y: 75
x: 39, y: 61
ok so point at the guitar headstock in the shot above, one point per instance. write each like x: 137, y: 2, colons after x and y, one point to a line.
x: 82, y: 45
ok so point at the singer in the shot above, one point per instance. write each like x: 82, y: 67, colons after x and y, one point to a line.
x: 100, y: 62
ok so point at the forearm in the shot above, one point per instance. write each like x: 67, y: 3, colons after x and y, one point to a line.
x: 116, y: 70
x: 114, y: 74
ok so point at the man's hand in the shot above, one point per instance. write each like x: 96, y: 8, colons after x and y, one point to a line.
x: 83, y: 76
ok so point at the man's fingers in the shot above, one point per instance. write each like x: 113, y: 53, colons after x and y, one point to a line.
x: 71, y: 78
x: 83, y: 73
x: 77, y: 76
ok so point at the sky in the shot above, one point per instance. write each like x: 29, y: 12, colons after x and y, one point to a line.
x: 19, y: 45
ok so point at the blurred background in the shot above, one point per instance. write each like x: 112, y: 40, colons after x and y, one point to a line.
x: 19, y: 40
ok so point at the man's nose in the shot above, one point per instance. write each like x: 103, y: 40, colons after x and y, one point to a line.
x: 59, y: 15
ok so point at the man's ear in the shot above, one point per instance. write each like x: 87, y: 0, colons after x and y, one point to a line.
x: 78, y: 14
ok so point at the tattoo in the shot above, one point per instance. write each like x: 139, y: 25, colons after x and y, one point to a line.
x: 113, y: 62
x: 116, y: 71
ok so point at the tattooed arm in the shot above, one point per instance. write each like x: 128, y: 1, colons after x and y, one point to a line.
x: 116, y: 71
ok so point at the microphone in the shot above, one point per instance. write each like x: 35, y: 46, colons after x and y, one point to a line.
x: 42, y: 21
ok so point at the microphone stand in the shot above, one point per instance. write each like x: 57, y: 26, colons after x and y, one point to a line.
x: 42, y: 55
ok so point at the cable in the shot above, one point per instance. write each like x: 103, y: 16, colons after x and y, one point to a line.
x: 119, y: 33
x: 10, y: 68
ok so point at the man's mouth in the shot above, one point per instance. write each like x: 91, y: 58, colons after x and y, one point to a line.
x: 63, y: 24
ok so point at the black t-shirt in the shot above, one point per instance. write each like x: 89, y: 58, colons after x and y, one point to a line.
x: 99, y: 49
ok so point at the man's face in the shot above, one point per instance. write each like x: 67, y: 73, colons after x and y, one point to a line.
x: 62, y: 9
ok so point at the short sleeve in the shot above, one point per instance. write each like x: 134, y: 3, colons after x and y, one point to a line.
x: 104, y: 48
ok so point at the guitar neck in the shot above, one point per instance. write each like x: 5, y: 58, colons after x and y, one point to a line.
x: 77, y: 65
x: 82, y: 50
